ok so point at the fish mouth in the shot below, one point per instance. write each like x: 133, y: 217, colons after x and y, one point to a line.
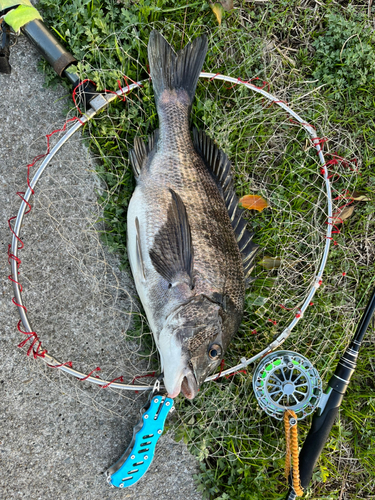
x: 188, y: 386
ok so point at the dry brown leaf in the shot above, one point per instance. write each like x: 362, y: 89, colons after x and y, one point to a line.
x: 270, y: 262
x: 356, y: 196
x: 343, y: 214
x: 253, y: 202
x: 227, y: 4
x: 218, y: 10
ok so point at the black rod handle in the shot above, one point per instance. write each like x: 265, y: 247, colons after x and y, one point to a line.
x: 50, y: 48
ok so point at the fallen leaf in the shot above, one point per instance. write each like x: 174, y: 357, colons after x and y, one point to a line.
x: 218, y: 10
x: 358, y: 196
x: 227, y: 4
x: 270, y: 262
x: 343, y: 214
x: 253, y: 202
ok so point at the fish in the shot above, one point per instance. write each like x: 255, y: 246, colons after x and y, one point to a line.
x: 189, y: 248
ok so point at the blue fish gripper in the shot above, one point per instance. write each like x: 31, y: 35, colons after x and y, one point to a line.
x: 138, y: 457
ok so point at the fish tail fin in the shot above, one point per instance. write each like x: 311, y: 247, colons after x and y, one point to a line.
x: 175, y: 71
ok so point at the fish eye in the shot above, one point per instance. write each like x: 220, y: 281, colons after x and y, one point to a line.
x: 214, y: 351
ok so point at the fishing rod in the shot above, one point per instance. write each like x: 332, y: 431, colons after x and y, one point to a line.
x: 330, y: 402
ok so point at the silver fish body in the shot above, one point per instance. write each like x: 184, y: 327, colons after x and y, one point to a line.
x: 183, y: 251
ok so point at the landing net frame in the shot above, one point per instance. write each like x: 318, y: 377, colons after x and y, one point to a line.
x: 99, y: 103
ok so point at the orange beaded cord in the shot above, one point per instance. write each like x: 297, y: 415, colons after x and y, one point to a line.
x: 291, y: 434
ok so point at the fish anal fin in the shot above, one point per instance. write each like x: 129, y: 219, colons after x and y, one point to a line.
x: 141, y: 152
x: 172, y: 251
x: 219, y: 165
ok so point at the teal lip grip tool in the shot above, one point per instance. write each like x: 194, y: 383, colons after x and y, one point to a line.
x: 138, y: 457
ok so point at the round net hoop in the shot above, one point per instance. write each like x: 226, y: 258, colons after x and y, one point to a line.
x: 99, y: 103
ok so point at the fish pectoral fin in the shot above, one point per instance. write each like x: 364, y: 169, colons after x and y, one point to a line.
x: 172, y: 251
x: 218, y: 163
x: 140, y: 262
x: 140, y: 153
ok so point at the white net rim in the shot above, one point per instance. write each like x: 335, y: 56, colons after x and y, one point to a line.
x: 97, y: 104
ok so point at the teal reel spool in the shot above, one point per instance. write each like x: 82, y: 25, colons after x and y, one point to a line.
x: 285, y: 380
x: 138, y: 457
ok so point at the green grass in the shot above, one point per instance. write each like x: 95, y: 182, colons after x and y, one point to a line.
x: 297, y: 47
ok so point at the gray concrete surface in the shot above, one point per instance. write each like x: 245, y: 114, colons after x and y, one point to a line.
x: 57, y: 435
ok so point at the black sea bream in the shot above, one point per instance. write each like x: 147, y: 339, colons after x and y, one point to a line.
x: 189, y: 249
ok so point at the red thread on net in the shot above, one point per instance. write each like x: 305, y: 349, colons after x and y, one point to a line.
x: 75, y: 92
x: 273, y: 321
x: 21, y: 195
x: 253, y: 332
x: 311, y: 304
x: 265, y: 84
x: 213, y: 78
x: 235, y: 373
x: 97, y: 369
x: 336, y: 219
x: 32, y: 336
x: 301, y: 123
x: 286, y: 308
x: 18, y: 262
x: 18, y: 305
x: 121, y: 379
x: 320, y: 282
x: 67, y: 363
x: 337, y: 160
x: 299, y: 314
x: 221, y: 368
x: 276, y: 101
x: 126, y: 78
x: 319, y: 141
x: 330, y: 238
x: 142, y: 376
x: 344, y: 273
x: 11, y: 257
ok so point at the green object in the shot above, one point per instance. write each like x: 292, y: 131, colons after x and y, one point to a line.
x: 22, y: 13
x: 6, y: 4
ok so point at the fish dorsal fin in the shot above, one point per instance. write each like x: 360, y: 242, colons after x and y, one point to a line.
x: 140, y: 153
x: 219, y: 165
x: 172, y: 251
